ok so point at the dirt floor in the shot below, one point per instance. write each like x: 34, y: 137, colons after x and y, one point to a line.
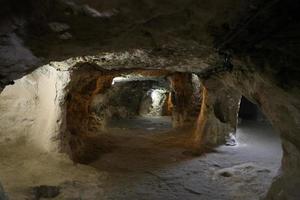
x: 142, y: 167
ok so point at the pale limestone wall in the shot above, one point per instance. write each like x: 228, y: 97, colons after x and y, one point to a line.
x: 32, y: 110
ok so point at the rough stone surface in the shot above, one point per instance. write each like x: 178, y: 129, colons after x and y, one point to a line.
x: 154, y: 103
x: 282, y: 109
x: 99, y: 27
x: 194, y: 36
x: 35, y: 103
x: 218, y: 116
x: 182, y: 98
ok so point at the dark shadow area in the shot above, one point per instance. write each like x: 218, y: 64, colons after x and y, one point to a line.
x: 249, y: 111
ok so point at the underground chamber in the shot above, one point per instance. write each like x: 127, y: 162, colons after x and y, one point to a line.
x: 134, y: 123
x: 149, y: 100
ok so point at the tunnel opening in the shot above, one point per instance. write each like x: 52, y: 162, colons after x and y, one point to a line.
x: 250, y: 111
x: 136, y: 96
x: 256, y: 135
x: 250, y: 116
x: 133, y: 102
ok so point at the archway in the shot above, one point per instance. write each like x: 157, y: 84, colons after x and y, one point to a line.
x: 95, y: 97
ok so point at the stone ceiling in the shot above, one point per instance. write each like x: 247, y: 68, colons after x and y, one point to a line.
x: 182, y: 35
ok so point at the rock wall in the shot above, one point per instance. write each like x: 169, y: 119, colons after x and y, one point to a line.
x: 181, y: 97
x: 265, y: 71
x: 146, y: 104
x: 279, y: 103
x: 32, y: 109
x: 218, y: 116
x: 196, y: 99
x: 85, y: 83
x: 282, y: 108
x: 154, y: 103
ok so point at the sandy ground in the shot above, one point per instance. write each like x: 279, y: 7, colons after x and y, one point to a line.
x: 141, y: 168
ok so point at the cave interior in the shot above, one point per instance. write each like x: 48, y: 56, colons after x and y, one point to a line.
x: 149, y: 99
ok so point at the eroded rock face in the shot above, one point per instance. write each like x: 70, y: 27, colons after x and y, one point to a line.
x: 218, y: 116
x: 175, y: 35
x: 154, y: 103
x: 86, y: 82
x: 171, y: 31
x: 184, y: 99
x: 102, y: 24
x: 282, y: 108
x: 35, y: 103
